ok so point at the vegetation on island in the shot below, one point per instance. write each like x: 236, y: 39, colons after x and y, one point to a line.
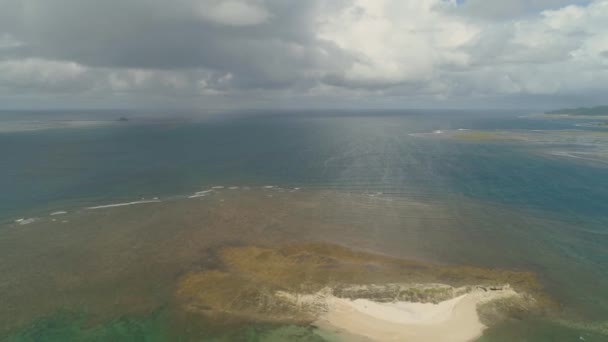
x: 582, y: 111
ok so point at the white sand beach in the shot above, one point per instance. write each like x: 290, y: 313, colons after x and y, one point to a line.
x: 454, y: 320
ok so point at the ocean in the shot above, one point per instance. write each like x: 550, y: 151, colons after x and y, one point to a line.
x: 495, y: 204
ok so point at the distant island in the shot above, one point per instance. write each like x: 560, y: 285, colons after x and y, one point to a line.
x: 123, y: 119
x: 594, y: 124
x: 582, y: 111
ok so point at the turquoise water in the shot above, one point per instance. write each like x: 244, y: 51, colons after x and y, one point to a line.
x: 168, y: 154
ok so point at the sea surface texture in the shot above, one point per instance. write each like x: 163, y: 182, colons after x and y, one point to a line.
x: 100, y: 218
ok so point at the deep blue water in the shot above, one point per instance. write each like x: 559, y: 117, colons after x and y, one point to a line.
x: 353, y: 151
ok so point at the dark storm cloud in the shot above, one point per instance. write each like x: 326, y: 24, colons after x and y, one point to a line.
x: 244, y: 49
x: 172, y: 35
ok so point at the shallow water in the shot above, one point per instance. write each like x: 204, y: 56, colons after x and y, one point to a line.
x: 367, y: 184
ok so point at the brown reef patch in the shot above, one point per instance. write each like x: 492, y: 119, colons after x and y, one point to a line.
x: 246, y: 286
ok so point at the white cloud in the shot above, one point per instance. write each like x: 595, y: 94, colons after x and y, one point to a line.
x: 398, y: 41
x: 40, y: 73
x: 558, y: 52
x: 155, y: 82
x: 233, y: 12
x: 8, y: 42
x: 32, y: 76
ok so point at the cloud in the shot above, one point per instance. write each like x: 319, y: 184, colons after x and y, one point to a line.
x: 512, y: 9
x: 39, y: 74
x: 259, y: 50
x: 234, y: 13
x: 397, y: 41
x: 9, y: 42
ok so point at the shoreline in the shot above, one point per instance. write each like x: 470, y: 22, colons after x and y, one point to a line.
x: 453, y: 320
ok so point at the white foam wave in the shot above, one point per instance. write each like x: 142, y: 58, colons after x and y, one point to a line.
x: 123, y: 204
x: 201, y: 193
x: 24, y: 221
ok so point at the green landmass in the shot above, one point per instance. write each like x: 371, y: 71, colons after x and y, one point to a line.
x: 582, y: 111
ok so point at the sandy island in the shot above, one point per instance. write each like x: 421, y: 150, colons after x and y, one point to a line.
x: 328, y: 287
x: 451, y: 320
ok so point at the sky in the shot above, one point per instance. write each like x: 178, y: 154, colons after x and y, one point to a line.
x: 303, y: 53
